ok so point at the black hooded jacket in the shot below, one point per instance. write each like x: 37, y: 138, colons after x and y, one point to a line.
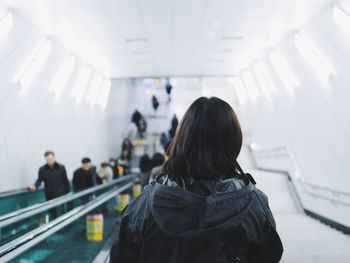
x: 195, y: 221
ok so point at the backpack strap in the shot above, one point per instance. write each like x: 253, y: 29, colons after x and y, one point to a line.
x: 247, y: 177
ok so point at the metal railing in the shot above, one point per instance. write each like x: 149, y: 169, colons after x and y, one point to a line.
x: 16, y: 192
x: 103, y: 255
x: 19, y: 245
x: 27, y: 212
x: 313, y: 189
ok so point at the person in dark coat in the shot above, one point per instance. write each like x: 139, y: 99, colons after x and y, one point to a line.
x: 145, y: 164
x: 156, y: 164
x: 136, y: 116
x: 163, y: 139
x: 168, y: 88
x: 127, y: 146
x: 85, y: 176
x: 173, y: 127
x: 204, y: 208
x: 155, y: 103
x: 123, y: 161
x: 112, y: 163
x: 54, y: 177
x: 56, y: 184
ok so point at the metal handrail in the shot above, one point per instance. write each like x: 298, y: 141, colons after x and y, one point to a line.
x: 324, y: 188
x: 81, y: 193
x: 327, y: 198
x: 253, y: 148
x: 17, y: 246
x: 59, y: 199
x: 291, y: 156
x: 103, y: 255
x: 16, y: 192
x: 21, y: 214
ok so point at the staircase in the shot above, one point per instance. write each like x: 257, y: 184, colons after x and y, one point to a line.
x: 304, y: 239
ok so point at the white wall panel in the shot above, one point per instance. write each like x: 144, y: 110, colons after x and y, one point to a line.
x: 315, y: 121
x: 33, y: 121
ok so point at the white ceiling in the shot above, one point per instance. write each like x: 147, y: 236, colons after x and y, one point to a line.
x: 125, y: 38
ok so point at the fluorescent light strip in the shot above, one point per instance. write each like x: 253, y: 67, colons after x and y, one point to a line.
x: 104, y: 93
x: 35, y: 62
x: 95, y: 87
x: 81, y: 83
x: 240, y: 90
x: 259, y: 71
x: 250, y: 85
x: 6, y: 24
x: 63, y: 75
x: 286, y: 74
x: 314, y: 57
x: 342, y: 18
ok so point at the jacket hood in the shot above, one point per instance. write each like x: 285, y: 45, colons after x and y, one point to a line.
x: 202, y: 209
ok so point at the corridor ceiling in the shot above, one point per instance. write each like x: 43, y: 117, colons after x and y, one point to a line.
x: 135, y: 38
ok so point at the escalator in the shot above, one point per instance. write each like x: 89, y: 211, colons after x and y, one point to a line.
x: 63, y: 239
x: 18, y: 199
x: 70, y: 243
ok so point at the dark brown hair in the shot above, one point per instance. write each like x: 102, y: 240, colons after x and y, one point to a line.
x: 207, y: 142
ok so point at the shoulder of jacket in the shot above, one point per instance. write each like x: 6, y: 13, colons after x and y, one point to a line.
x: 261, y: 194
x: 139, y: 205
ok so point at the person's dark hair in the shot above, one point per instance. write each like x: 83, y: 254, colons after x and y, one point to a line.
x: 86, y: 160
x: 104, y: 164
x: 207, y: 142
x: 47, y: 153
x: 145, y: 163
x: 157, y: 159
x: 136, y: 116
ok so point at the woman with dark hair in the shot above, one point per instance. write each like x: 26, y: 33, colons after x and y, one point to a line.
x: 173, y: 128
x: 203, y: 208
x: 142, y: 127
x: 127, y: 147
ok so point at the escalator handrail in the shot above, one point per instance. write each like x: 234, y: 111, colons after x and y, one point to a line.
x: 291, y: 156
x: 76, y: 195
x: 24, y: 213
x: 20, y: 191
x: 19, y: 245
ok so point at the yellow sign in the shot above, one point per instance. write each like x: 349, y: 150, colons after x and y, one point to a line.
x: 157, y: 81
x: 136, y: 190
x: 94, y: 227
x: 123, y: 201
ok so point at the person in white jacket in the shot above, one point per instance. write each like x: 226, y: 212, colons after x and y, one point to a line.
x: 105, y: 172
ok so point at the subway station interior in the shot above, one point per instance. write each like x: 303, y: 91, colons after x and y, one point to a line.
x: 104, y: 84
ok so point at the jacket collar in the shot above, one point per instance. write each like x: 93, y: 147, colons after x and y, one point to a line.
x: 55, y: 166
